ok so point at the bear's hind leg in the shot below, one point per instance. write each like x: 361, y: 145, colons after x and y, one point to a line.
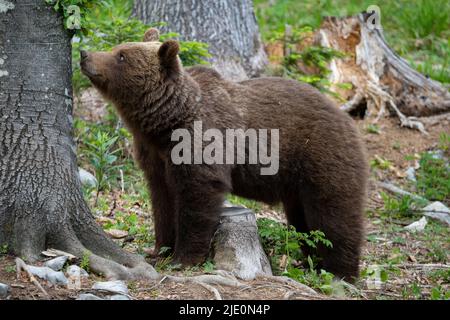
x: 295, y: 215
x: 341, y: 221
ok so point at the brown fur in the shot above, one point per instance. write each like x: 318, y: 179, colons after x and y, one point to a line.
x: 322, y: 171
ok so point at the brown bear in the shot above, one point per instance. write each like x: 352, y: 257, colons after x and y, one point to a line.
x: 322, y: 171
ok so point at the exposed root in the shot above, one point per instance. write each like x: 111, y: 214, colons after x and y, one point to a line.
x: 382, y: 98
x: 108, y: 259
x: 433, y: 120
x: 208, y: 279
x: 292, y: 283
x: 210, y: 288
x: 21, y: 265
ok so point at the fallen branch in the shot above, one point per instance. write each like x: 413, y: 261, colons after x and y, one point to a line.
x: 207, y: 279
x: 421, y: 266
x: 21, y: 265
x: 394, y: 189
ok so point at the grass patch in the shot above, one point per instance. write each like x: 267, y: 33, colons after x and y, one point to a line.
x: 433, y: 177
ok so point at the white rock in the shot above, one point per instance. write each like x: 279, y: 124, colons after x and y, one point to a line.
x: 437, y: 210
x: 411, y: 174
x: 117, y: 234
x: 88, y: 296
x: 4, y: 290
x: 54, y: 277
x: 437, y: 154
x: 76, y: 271
x: 87, y: 178
x: 57, y: 263
x: 112, y: 286
x: 417, y: 225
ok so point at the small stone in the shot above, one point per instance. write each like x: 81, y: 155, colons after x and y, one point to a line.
x: 87, y: 179
x: 52, y: 276
x: 88, y: 296
x: 417, y: 225
x: 436, y: 154
x: 437, y: 210
x: 119, y: 297
x: 56, y: 264
x: 112, y: 286
x: 117, y: 234
x: 5, y: 290
x: 76, y: 271
x: 411, y: 174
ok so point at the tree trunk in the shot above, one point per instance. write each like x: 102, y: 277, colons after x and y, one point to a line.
x: 41, y: 203
x: 228, y: 26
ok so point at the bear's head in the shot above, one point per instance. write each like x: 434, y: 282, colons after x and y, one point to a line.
x: 130, y: 70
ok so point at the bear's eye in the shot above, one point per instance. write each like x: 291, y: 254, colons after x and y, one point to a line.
x: 121, y: 58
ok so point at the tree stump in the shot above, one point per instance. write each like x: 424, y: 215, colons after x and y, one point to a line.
x: 236, y: 245
x: 380, y: 78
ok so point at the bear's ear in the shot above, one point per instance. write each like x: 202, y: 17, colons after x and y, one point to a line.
x: 151, y: 35
x: 168, y: 54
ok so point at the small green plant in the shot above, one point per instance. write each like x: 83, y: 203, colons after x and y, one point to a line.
x: 444, y: 142
x: 74, y: 13
x: 10, y: 269
x: 440, y: 275
x: 165, y: 264
x: 440, y: 293
x: 404, y: 206
x: 208, y: 266
x: 412, y: 291
x: 134, y: 226
x: 283, y: 244
x: 373, y: 128
x: 85, y: 264
x: 315, y: 58
x: 322, y: 280
x: 103, y: 158
x: 380, y: 163
x: 3, y: 249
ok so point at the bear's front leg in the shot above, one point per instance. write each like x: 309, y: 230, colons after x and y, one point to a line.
x: 200, y: 192
x: 164, y: 211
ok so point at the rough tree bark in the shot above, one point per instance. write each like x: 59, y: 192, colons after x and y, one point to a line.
x: 228, y: 26
x: 41, y: 203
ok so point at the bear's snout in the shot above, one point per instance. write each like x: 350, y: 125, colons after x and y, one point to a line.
x: 83, y: 54
x: 87, y: 65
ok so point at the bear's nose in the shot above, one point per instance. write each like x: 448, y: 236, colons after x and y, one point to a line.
x: 83, y: 54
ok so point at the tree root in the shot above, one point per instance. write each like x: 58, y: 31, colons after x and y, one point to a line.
x: 304, y: 289
x: 210, y: 288
x: 21, y: 265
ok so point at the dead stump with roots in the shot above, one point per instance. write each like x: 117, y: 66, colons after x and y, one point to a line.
x: 381, y: 80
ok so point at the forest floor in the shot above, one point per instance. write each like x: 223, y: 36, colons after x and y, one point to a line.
x: 411, y: 265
